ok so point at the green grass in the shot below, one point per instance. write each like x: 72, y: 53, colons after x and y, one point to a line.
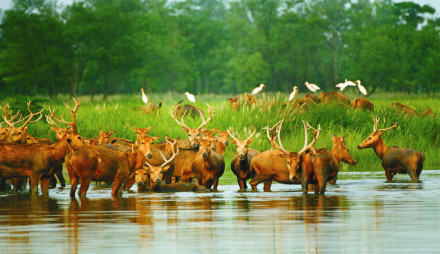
x: 120, y: 113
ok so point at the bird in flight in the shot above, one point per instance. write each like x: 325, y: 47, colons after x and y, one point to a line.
x: 312, y: 87
x: 293, y: 93
x: 144, y: 96
x: 342, y: 86
x: 190, y: 97
x: 258, y: 89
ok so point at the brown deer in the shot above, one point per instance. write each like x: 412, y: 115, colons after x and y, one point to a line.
x: 36, y: 161
x: 323, y: 166
x: 190, y: 110
x: 404, y: 108
x: 94, y: 163
x: 193, y: 133
x: 241, y: 163
x: 394, y: 159
x: 335, y: 97
x: 222, y: 140
x: 5, y: 131
x: 20, y: 135
x: 279, y: 165
x: 208, y: 166
x: 235, y: 102
x: 362, y: 103
x: 162, y: 172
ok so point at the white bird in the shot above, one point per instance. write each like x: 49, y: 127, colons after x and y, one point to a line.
x: 258, y: 89
x: 361, y: 87
x: 144, y: 96
x: 190, y: 97
x: 312, y: 87
x: 342, y: 86
x: 292, y: 94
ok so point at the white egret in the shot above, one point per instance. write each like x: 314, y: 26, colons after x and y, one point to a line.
x: 144, y: 96
x: 342, y: 86
x: 312, y: 87
x: 292, y: 94
x: 190, y: 97
x: 361, y: 87
x: 258, y: 89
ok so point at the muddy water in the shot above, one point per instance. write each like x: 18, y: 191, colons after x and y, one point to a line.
x: 361, y: 214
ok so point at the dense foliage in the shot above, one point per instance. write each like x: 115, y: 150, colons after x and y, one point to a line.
x: 214, y: 46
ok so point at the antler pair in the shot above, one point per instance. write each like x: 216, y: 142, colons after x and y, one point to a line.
x: 27, y: 118
x: 236, y: 139
x: 306, y: 146
x: 376, y: 121
x: 173, y: 144
x: 61, y: 119
x: 182, y: 123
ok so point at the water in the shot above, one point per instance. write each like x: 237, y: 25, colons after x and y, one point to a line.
x: 361, y: 214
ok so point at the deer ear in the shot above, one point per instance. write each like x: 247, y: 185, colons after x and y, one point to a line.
x: 53, y: 128
x: 333, y: 135
x: 166, y: 168
x: 156, y: 138
x: 250, y: 140
x: 111, y: 132
x: 379, y: 134
x: 149, y: 128
x: 234, y: 142
x: 25, y: 128
x: 185, y: 129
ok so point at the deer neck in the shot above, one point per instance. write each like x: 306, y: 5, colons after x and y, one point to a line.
x: 380, y: 148
x: 220, y: 149
x: 136, y: 160
x: 59, y: 149
x: 336, y: 155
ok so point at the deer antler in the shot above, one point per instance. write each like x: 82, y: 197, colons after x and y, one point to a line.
x: 203, y: 117
x: 272, y: 134
x: 9, y: 121
x: 166, y: 161
x: 182, y: 123
x: 31, y: 115
x: 73, y: 112
x: 315, y: 137
x: 376, y: 121
x: 229, y: 131
x: 278, y: 130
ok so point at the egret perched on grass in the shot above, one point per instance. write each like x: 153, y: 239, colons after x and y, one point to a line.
x: 144, y: 96
x: 361, y: 87
x: 258, y: 89
x: 342, y: 86
x: 312, y: 87
x: 190, y: 97
x: 293, y: 93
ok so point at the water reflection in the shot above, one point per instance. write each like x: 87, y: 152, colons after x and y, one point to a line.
x: 355, y: 215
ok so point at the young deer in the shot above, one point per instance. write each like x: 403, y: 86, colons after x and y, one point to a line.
x: 241, y: 163
x: 394, y: 159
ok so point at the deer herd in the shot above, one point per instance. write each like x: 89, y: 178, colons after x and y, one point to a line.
x: 174, y: 164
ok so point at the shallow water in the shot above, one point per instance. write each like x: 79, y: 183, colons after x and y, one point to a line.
x: 361, y: 214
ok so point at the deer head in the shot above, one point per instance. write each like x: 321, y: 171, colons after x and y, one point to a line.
x: 294, y: 158
x: 141, y: 132
x: 104, y: 137
x: 373, y: 139
x: 340, y: 150
x: 222, y: 136
x: 242, y: 145
x: 20, y: 134
x: 193, y: 133
x: 156, y: 172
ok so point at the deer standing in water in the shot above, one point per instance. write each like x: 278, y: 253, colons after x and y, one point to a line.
x: 323, y: 166
x: 271, y: 165
x: 241, y: 163
x: 394, y: 159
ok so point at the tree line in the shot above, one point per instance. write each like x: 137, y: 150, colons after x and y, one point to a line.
x: 215, y: 46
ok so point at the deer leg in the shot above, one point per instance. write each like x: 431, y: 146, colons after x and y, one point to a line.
x: 129, y: 183
x: 59, y: 174
x: 44, y: 183
x: 413, y: 175
x: 333, y: 181
x: 85, y: 182
x: 215, y: 184
x: 388, y: 175
x: 52, y: 182
x: 241, y: 183
x: 73, y: 185
x: 305, y: 183
x: 267, y: 185
x: 116, y: 186
x: 258, y: 179
x: 35, y: 180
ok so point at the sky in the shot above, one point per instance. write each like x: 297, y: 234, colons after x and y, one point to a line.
x: 6, y: 4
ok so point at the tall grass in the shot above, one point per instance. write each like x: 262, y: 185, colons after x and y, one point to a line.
x: 121, y: 113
